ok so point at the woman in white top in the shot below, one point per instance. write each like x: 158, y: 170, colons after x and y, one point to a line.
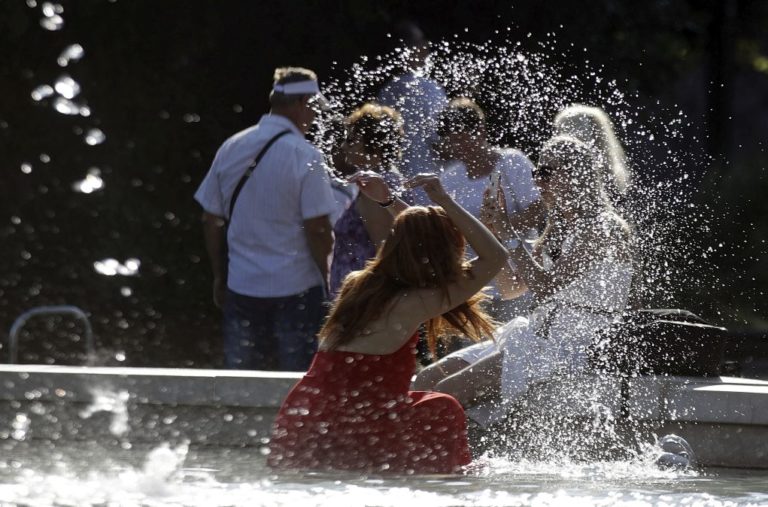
x: 579, y: 271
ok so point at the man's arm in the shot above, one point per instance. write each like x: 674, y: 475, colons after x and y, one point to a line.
x: 214, y: 231
x: 319, y: 235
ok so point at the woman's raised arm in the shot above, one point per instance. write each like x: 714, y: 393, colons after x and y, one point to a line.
x: 491, y: 255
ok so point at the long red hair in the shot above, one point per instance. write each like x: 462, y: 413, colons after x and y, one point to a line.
x: 424, y: 250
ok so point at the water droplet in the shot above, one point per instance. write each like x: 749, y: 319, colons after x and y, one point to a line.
x: 71, y: 53
x: 42, y: 92
x: 94, y: 137
x: 52, y: 23
x: 65, y: 106
x: 67, y: 87
x: 90, y: 183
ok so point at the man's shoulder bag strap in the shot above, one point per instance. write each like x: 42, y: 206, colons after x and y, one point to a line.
x: 249, y: 171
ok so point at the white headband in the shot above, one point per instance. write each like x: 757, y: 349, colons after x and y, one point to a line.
x: 308, y: 87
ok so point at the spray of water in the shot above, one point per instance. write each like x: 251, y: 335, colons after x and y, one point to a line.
x: 116, y: 403
x: 521, y: 92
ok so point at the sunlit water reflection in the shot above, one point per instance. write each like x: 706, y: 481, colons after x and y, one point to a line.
x: 86, y: 474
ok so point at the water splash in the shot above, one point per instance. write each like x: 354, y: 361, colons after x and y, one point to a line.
x: 116, y: 403
x: 160, y: 469
x: 521, y: 90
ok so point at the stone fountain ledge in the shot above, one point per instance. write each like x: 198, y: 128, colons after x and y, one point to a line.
x: 154, y: 386
x: 724, y: 418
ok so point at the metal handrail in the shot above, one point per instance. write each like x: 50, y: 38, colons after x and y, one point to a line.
x: 21, y: 320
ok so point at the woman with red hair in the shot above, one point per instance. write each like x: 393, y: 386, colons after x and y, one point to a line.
x: 353, y: 410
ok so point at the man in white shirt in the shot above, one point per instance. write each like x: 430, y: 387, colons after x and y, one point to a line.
x: 467, y: 176
x: 270, y: 266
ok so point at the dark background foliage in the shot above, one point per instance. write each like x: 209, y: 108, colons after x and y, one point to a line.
x: 168, y: 81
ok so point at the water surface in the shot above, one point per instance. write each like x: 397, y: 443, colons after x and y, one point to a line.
x: 90, y: 474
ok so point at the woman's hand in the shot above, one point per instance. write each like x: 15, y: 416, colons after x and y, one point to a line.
x: 493, y: 213
x: 432, y: 186
x: 372, y: 185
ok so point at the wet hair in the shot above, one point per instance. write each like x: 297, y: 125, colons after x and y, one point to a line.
x: 284, y: 75
x: 424, y: 250
x: 591, y: 125
x: 462, y: 114
x: 380, y: 129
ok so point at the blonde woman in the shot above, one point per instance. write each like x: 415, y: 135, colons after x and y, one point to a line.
x: 592, y: 126
x: 580, y: 271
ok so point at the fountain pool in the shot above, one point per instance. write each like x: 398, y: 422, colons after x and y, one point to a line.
x: 214, y: 476
x: 162, y: 437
